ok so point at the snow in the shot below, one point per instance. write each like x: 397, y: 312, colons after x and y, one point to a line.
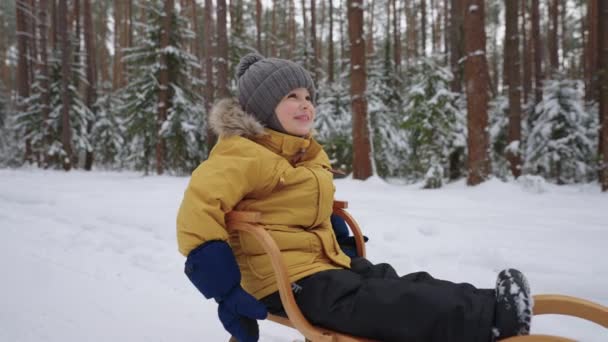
x: 93, y: 256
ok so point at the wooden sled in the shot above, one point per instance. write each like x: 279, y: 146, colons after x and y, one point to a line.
x: 249, y: 222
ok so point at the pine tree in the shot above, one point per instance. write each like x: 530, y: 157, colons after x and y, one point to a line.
x: 561, y: 144
x: 498, y: 135
x: 385, y: 106
x: 44, y: 135
x: 434, y: 124
x: 183, y: 130
x: 333, y: 125
x: 108, y: 132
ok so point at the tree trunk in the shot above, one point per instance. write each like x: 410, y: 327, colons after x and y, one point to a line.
x: 76, y: 42
x: 434, y: 30
x: 54, y: 25
x: 292, y: 29
x: 456, y: 43
x: 209, y: 53
x: 163, y: 82
x: 33, y: 48
x: 538, y: 56
x: 512, y: 60
x: 4, y: 70
x: 591, y: 52
x: 362, y: 165
x: 370, y: 29
x: 23, y: 74
x: 477, y: 92
x: 258, y: 24
x: 446, y: 27
x: 527, y: 55
x: 66, y: 129
x: 23, y: 78
x: 101, y: 25
x: 602, y: 35
x: 305, y: 24
x: 91, y: 94
x: 196, y: 46
x: 330, y: 49
x: 44, y: 72
x: 553, y: 41
x: 412, y: 44
x: 313, y: 40
x: 423, y: 25
x: 222, y: 51
x: 342, y: 39
x: 396, y: 37
x: 117, y: 66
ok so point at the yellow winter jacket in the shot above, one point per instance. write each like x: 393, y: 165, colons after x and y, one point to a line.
x: 285, y: 178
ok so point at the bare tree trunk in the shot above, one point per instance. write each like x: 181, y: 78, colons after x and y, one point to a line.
x: 396, y: 37
x: 33, y: 48
x: 330, y: 49
x: 103, y: 54
x: 23, y: 75
x: 342, y: 39
x: 477, y: 92
x: 209, y: 62
x: 163, y: 82
x: 527, y: 55
x: 412, y: 44
x: 456, y: 43
x: 4, y: 69
x: 512, y: 60
x: 76, y: 43
x: 117, y: 66
x: 305, y: 24
x: 423, y: 25
x: 91, y: 94
x: 370, y: 29
x: 446, y: 27
x: 44, y: 73
x: 273, y: 35
x: 196, y: 46
x: 553, y: 41
x: 292, y: 29
x: 434, y: 38
x: 602, y: 35
x: 591, y: 52
x: 538, y: 56
x: 54, y: 25
x: 313, y: 40
x: 362, y: 165
x: 66, y: 129
x: 222, y: 51
x: 258, y: 24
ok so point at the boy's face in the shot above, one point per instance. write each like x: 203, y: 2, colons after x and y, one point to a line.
x: 296, y: 112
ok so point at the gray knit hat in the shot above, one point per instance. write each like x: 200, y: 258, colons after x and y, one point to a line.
x: 263, y: 82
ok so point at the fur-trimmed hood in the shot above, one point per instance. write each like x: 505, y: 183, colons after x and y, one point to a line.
x: 227, y: 118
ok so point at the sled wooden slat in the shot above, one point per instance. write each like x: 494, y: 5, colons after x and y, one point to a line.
x: 538, y: 338
x: 249, y: 222
x: 571, y: 306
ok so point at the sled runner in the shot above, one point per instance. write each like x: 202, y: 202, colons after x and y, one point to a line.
x: 249, y: 222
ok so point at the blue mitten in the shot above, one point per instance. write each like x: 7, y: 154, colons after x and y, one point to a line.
x: 346, y: 242
x: 212, y: 268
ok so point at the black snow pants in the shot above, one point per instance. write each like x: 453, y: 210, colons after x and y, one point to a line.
x: 373, y: 301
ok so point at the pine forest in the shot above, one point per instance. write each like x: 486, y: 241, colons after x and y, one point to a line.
x: 427, y: 91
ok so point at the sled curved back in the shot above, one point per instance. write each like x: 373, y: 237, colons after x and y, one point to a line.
x: 249, y: 222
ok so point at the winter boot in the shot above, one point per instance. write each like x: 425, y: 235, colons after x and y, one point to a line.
x: 514, y: 304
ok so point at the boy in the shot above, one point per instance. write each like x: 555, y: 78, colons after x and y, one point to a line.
x: 267, y: 161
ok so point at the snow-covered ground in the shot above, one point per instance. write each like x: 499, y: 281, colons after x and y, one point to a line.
x: 93, y: 257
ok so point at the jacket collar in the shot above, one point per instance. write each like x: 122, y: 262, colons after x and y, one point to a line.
x: 227, y: 118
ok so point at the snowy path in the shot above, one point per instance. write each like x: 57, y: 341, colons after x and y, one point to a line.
x: 92, y: 256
